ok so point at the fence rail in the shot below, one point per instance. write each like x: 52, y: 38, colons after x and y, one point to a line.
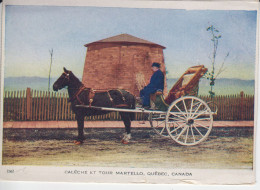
x: 32, y: 105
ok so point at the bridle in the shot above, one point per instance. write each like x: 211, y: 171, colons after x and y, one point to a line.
x: 78, y: 92
x: 66, y: 76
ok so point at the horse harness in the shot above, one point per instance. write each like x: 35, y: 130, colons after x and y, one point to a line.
x: 91, y: 94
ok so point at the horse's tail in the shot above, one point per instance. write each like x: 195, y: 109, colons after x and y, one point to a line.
x: 130, y: 102
x: 132, y: 106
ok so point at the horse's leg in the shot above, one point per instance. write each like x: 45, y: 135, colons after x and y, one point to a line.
x: 127, y: 122
x: 80, y: 122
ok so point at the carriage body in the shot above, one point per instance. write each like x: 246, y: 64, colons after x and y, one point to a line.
x: 187, y: 85
x: 188, y: 120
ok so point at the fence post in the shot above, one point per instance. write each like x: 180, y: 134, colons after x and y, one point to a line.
x: 28, y: 103
x: 241, y: 105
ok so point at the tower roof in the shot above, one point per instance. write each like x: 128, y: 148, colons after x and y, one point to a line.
x: 125, y: 39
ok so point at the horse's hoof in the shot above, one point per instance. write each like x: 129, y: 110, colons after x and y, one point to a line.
x: 124, y: 142
x: 77, y: 142
x: 126, y: 138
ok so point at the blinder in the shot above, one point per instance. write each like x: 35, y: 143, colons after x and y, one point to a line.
x: 67, y: 75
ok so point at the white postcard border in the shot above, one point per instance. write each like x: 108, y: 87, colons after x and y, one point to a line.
x: 31, y: 173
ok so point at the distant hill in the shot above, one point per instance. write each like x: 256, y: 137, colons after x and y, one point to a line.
x: 223, y: 86
x: 21, y: 83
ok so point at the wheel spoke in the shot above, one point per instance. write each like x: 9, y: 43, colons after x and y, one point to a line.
x: 205, y: 111
x: 198, y: 131
x: 174, y: 120
x: 187, y: 134
x: 170, y: 122
x: 180, y: 111
x: 177, y: 116
x: 177, y: 119
x: 160, y: 123
x: 177, y: 128
x: 180, y: 122
x: 196, y: 110
x: 157, y: 122
x: 191, y: 106
x: 192, y: 134
x: 196, y: 103
x: 162, y: 130
x: 203, y: 119
x: 181, y: 133
x: 185, y: 107
x: 202, y: 125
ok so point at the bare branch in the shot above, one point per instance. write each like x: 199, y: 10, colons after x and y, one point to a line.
x: 219, y: 72
x: 221, y: 69
x: 210, y: 58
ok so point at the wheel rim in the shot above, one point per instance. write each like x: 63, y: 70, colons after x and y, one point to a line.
x: 157, y: 122
x: 189, y: 120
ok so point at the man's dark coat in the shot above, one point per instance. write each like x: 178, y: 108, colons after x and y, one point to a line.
x: 156, y: 83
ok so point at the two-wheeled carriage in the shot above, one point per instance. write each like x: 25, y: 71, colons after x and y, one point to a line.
x: 181, y: 116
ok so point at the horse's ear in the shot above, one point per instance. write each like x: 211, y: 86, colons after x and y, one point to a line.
x: 65, y: 70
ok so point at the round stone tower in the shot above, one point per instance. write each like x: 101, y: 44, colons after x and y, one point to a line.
x: 121, y: 61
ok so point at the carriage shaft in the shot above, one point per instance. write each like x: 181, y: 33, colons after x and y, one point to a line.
x: 137, y: 110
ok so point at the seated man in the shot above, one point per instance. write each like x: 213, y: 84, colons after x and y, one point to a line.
x: 156, y: 84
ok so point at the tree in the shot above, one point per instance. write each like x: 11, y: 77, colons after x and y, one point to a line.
x: 212, y: 75
x: 51, y: 53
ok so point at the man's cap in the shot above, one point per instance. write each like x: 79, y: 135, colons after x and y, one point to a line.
x: 156, y: 65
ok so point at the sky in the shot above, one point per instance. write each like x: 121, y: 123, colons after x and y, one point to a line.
x: 31, y: 31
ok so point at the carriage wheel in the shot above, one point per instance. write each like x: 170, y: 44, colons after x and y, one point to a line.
x: 189, y: 120
x: 157, y: 122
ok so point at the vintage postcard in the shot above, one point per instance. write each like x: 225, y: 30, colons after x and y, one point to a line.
x: 139, y: 92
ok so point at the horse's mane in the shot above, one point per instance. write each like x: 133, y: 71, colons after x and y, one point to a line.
x: 74, y: 77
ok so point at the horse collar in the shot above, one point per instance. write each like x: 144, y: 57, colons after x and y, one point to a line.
x: 76, y: 95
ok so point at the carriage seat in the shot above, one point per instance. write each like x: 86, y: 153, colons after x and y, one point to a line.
x: 157, y: 93
x: 157, y: 101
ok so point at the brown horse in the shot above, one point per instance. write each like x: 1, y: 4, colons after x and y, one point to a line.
x: 80, y: 95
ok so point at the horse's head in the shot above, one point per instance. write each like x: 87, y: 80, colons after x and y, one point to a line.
x: 63, y: 80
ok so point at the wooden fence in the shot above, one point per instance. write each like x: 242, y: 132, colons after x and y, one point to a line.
x: 32, y: 105
x: 232, y: 107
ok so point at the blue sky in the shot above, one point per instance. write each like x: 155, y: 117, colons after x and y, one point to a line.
x: 31, y: 31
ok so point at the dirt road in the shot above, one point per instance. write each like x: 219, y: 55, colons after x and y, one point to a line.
x: 224, y: 148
